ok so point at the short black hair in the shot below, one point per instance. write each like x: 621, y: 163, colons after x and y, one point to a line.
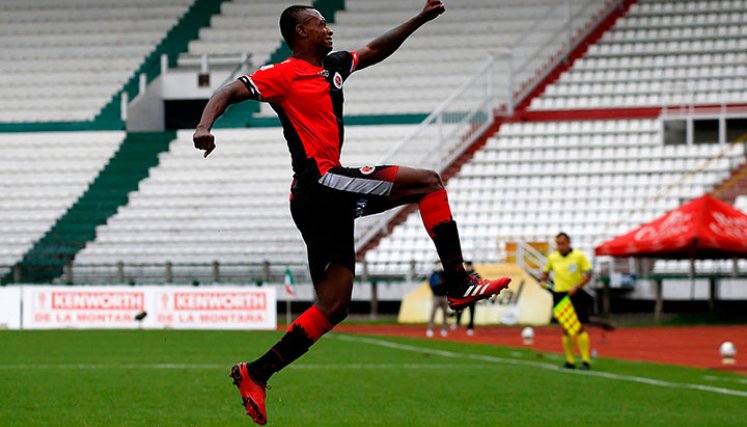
x: 288, y: 22
x: 562, y: 234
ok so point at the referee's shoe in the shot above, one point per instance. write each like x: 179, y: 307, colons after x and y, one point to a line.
x: 476, y: 289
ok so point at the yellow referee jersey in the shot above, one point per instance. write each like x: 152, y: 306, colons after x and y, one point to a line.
x: 569, y: 269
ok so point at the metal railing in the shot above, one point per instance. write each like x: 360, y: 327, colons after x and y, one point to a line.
x: 460, y: 119
x: 442, y: 137
x: 190, y: 273
x: 529, y: 258
x: 542, y: 46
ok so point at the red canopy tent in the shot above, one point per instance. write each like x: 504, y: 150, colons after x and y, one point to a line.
x: 703, y: 228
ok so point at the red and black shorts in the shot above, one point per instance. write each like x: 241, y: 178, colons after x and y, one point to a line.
x: 325, y: 211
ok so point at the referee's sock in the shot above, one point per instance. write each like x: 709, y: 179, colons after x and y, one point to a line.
x: 437, y: 219
x: 583, y: 346
x: 568, y: 349
x: 302, y: 333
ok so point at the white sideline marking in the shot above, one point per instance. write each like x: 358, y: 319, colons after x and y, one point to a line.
x: 554, y: 368
x: 408, y: 366
x: 382, y: 343
x: 725, y: 379
x: 94, y: 366
x: 314, y: 366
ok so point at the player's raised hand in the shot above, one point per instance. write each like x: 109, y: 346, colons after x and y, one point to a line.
x: 204, y: 140
x: 432, y: 9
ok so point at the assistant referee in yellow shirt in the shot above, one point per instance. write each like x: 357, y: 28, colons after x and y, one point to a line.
x: 572, y: 271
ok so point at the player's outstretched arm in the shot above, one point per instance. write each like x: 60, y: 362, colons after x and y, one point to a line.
x: 229, y: 94
x: 380, y: 48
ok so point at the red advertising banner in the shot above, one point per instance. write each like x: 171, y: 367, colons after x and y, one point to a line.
x: 214, y: 308
x: 154, y: 307
x: 50, y: 307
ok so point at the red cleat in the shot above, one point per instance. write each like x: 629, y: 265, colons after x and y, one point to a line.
x: 252, y: 394
x: 478, y: 289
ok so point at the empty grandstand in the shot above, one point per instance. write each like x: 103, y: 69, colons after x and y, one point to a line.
x: 64, y: 61
x: 584, y: 116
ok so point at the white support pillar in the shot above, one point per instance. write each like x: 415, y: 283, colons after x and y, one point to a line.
x: 164, y: 64
x: 203, y: 64
x: 142, y: 84
x: 510, y: 83
x: 124, y: 101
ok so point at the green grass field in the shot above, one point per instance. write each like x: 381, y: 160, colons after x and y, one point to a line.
x: 179, y: 378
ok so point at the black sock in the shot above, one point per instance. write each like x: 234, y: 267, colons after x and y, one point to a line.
x: 449, y: 248
x: 290, y: 347
x: 301, y: 335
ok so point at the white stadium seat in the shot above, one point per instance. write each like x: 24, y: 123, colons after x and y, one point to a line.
x: 232, y: 207
x: 660, y: 53
x: 44, y: 174
x: 65, y: 60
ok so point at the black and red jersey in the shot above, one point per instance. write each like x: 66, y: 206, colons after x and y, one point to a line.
x: 308, y: 100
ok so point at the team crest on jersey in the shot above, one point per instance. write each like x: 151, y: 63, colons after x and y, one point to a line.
x: 368, y: 170
x: 337, y: 81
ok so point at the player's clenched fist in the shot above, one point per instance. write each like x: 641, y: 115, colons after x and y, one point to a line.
x: 432, y: 9
x: 204, y: 140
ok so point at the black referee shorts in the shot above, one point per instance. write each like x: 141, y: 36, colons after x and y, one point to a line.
x: 325, y: 210
x: 581, y: 303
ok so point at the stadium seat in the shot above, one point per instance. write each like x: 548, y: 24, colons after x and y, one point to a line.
x: 593, y: 179
x: 91, y: 47
x: 232, y: 207
x: 44, y: 174
x: 442, y: 55
x: 659, y: 53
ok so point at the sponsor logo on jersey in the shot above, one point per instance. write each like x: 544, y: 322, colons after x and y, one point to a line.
x: 367, y: 170
x: 324, y: 73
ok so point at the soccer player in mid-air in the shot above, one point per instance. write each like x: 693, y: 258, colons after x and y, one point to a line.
x: 305, y: 91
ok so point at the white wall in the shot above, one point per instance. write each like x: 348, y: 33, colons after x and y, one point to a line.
x: 685, y: 290
x: 10, y: 307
